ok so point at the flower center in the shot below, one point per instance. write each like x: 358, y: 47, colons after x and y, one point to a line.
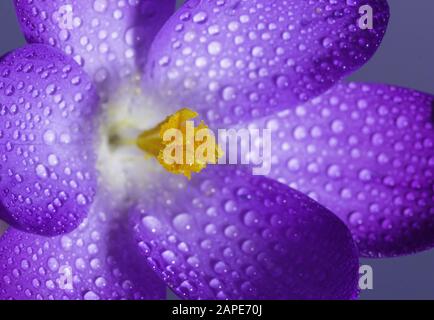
x: 122, y: 168
x: 127, y: 130
x: 179, y: 146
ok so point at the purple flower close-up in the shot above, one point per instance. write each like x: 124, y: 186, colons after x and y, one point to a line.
x: 89, y: 215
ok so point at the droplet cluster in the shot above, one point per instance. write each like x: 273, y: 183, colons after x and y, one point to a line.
x: 366, y: 152
x: 47, y: 163
x: 230, y: 235
x: 108, y: 38
x: 96, y: 261
x: 239, y: 59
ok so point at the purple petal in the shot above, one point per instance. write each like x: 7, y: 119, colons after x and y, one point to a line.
x: 47, y: 110
x: 96, y: 261
x: 107, y: 37
x: 3, y: 227
x: 230, y: 235
x: 237, y: 59
x: 366, y: 153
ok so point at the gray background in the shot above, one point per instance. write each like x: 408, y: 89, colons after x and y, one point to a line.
x: 406, y: 58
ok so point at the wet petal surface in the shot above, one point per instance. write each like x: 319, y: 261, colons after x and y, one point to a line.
x: 366, y: 153
x: 230, y: 235
x: 47, y: 164
x: 109, y: 38
x: 233, y: 60
x: 96, y: 261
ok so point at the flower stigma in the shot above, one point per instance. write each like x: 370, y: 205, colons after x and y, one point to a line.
x: 179, y: 146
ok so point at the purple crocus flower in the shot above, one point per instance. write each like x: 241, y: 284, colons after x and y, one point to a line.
x: 92, y: 218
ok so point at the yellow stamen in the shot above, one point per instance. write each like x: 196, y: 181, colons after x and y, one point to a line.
x: 179, y: 146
